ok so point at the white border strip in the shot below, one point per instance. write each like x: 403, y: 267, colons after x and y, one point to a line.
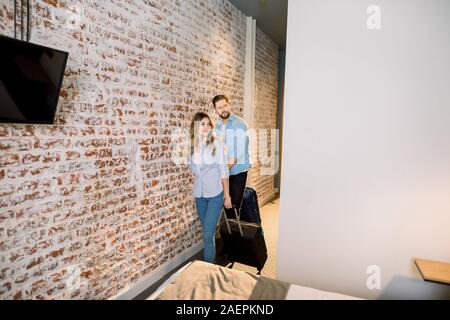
x: 250, y: 56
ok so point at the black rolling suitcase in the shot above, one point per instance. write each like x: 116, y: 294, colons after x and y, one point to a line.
x: 243, y: 242
x: 249, y: 207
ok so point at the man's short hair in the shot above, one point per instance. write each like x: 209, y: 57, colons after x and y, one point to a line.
x: 219, y: 98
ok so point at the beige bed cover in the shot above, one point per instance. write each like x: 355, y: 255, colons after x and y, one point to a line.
x: 204, y: 281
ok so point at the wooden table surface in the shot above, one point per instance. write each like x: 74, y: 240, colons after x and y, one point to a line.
x: 434, y: 270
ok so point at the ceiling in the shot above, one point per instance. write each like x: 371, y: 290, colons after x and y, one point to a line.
x: 270, y: 15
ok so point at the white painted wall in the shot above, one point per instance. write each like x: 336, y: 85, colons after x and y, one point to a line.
x: 366, y: 166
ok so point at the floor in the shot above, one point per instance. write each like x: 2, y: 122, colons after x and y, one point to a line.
x: 269, y: 217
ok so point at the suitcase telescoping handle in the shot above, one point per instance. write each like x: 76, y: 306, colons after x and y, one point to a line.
x: 238, y: 219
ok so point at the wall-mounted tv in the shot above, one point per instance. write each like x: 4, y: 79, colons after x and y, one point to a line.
x: 30, y: 81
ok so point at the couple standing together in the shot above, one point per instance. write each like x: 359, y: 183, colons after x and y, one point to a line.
x: 219, y: 159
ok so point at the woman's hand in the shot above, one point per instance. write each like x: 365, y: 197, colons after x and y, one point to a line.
x: 227, y: 202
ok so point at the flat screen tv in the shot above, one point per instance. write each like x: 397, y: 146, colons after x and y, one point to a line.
x: 30, y: 81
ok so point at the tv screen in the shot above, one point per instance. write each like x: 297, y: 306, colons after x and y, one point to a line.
x: 30, y: 81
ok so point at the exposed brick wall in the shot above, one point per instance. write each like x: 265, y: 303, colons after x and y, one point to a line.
x: 98, y: 191
x: 265, y: 112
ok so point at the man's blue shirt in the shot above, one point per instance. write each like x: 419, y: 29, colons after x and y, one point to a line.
x: 235, y: 136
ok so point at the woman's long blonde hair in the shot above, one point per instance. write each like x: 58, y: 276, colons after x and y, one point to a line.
x: 196, y: 138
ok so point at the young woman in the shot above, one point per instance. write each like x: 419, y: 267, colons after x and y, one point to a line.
x: 208, y: 163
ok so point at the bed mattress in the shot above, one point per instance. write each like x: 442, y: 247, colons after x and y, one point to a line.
x: 203, y: 281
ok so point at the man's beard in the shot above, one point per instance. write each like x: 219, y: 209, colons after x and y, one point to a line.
x: 225, y: 115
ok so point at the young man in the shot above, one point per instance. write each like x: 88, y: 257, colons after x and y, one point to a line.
x: 234, y: 132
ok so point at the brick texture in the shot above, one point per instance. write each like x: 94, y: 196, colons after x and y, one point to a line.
x: 265, y: 115
x: 97, y: 195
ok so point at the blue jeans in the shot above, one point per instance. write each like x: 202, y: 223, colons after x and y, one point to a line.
x: 209, y: 210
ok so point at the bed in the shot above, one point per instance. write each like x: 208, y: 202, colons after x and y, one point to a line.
x: 199, y: 280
